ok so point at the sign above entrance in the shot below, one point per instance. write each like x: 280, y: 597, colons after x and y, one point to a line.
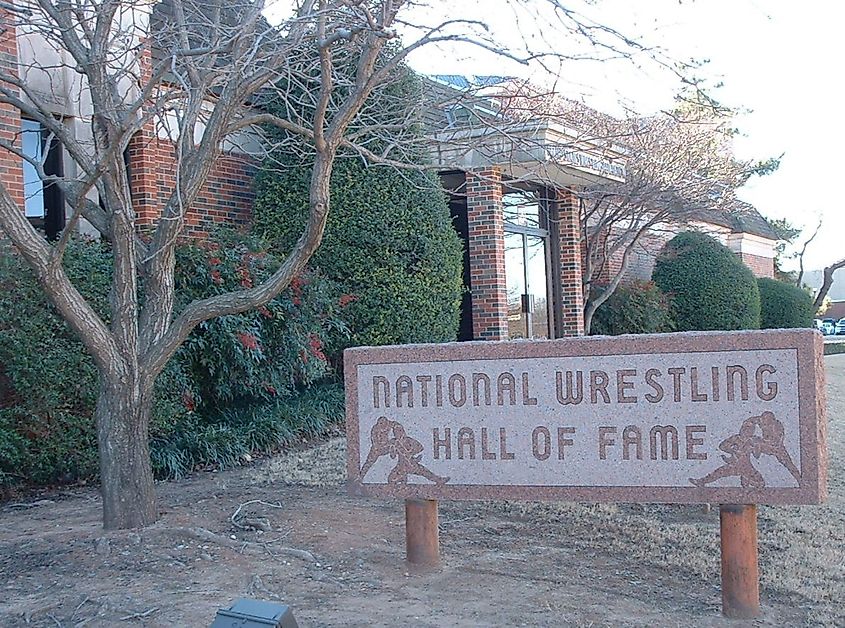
x: 712, y: 417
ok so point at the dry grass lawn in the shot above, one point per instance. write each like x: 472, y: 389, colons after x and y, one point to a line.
x: 338, y: 560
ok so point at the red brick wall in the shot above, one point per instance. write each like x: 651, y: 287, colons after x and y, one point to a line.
x: 11, y: 166
x: 760, y: 266
x: 226, y: 198
x: 644, y: 254
x: 571, y: 308
x: 487, y: 255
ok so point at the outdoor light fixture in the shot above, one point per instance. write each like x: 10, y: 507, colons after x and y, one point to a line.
x: 254, y: 614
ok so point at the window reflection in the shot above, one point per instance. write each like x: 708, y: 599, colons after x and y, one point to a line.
x: 515, y: 277
x: 521, y: 209
x: 526, y: 264
x: 33, y: 188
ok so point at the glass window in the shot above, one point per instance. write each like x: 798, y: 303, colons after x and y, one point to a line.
x: 527, y: 265
x: 537, y: 289
x: 33, y: 188
x: 522, y: 209
x: 515, y: 277
x: 527, y: 284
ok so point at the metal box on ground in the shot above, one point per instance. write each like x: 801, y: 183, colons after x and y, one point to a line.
x: 255, y: 614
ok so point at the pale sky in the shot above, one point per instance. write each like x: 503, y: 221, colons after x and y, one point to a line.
x: 780, y: 59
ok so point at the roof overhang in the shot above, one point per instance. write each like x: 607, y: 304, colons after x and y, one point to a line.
x: 540, y: 152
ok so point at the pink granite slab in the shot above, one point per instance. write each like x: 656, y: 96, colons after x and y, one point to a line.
x: 707, y: 417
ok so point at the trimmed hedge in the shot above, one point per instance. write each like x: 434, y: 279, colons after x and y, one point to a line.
x: 635, y: 308
x: 389, y: 244
x: 708, y: 286
x: 783, y: 305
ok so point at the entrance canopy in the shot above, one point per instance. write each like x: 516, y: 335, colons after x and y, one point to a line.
x: 540, y: 152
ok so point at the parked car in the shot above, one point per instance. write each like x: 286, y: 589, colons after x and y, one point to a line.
x: 840, y: 327
x: 828, y: 327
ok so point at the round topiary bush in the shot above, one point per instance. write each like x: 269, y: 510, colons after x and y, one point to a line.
x: 708, y: 286
x: 783, y: 305
x: 636, y: 308
x: 389, y: 244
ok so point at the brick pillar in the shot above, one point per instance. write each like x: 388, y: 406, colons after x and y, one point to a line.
x: 571, y: 310
x: 486, y: 245
x: 145, y: 160
x: 759, y: 265
x: 11, y: 166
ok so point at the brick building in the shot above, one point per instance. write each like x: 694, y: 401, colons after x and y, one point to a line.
x: 744, y: 231
x: 226, y: 198
x: 513, y: 198
x: 522, y: 258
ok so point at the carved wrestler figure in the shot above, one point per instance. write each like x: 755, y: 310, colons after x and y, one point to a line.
x: 380, y: 443
x: 408, y: 450
x: 738, y: 451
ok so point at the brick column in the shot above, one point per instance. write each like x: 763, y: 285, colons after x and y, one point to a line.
x: 11, y: 166
x: 486, y: 245
x: 759, y: 265
x: 571, y: 310
x: 148, y: 164
x: 226, y: 197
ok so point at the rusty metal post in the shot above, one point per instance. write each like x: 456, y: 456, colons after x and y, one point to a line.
x: 740, y: 576
x: 422, y: 537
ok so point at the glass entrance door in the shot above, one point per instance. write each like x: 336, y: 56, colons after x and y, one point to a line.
x: 527, y: 281
x: 527, y: 264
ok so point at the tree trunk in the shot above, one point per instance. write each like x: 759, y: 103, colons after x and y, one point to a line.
x: 126, y: 476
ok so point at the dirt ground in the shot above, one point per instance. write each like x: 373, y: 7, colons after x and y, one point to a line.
x: 338, y: 561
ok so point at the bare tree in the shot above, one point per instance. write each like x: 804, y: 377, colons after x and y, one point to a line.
x: 827, y: 282
x: 195, y: 72
x: 656, y: 174
x: 680, y: 169
x: 798, y: 277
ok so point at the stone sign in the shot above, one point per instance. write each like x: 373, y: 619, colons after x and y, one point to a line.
x: 712, y: 417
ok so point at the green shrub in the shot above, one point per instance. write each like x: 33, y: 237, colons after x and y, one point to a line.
x: 783, y: 305
x: 389, y: 244
x: 708, y: 286
x: 255, y: 362
x: 46, y: 432
x: 262, y: 354
x: 636, y: 308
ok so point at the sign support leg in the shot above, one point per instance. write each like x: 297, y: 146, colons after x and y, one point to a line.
x: 740, y: 576
x: 422, y: 537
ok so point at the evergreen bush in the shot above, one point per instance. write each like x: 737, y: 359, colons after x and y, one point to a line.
x: 708, y: 285
x: 783, y: 305
x: 47, y: 380
x: 230, y: 371
x: 262, y: 354
x: 389, y: 245
x: 635, y: 308
x: 389, y: 242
